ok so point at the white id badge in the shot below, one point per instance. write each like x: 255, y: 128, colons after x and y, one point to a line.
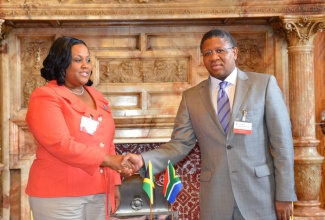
x: 243, y: 127
x: 88, y: 125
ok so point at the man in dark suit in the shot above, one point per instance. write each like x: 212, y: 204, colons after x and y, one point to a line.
x: 247, y: 160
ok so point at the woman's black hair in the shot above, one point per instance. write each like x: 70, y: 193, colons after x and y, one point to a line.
x: 218, y: 33
x: 59, y: 58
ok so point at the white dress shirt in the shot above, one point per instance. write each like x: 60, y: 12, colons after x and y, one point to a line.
x: 230, y: 88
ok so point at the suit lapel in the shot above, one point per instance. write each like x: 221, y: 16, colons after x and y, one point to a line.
x: 241, y: 89
x: 74, y: 101
x: 206, y: 99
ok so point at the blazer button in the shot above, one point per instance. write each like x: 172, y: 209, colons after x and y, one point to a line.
x: 100, y: 118
x: 102, y: 144
x: 101, y: 170
x: 229, y: 147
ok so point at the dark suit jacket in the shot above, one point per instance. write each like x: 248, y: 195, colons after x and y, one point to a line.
x: 236, y: 166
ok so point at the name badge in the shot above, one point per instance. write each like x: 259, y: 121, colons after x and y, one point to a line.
x: 88, y: 125
x: 243, y: 127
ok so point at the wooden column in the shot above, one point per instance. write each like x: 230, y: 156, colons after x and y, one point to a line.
x: 4, y: 120
x: 2, y: 46
x: 2, y: 50
x: 300, y: 33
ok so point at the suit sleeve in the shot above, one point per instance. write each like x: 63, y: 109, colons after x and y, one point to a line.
x: 117, y: 176
x: 182, y: 141
x: 280, y: 135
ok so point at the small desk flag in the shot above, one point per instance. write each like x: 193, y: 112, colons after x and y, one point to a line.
x: 172, y: 184
x: 148, y: 183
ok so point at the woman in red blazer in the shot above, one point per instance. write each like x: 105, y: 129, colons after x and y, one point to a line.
x: 74, y: 175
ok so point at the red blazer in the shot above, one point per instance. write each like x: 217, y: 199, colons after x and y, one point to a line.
x: 67, y: 159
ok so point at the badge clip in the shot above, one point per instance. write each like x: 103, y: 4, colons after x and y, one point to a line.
x: 244, y: 115
x: 243, y: 126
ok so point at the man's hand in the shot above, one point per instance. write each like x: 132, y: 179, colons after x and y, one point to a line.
x: 135, y: 159
x: 283, y: 210
x: 117, y: 162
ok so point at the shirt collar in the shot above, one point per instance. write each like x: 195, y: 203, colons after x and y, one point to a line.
x: 231, y: 79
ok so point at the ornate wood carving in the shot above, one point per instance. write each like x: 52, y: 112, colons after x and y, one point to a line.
x: 148, y: 70
x: 252, y: 52
x: 303, y: 31
x: 4, y: 31
x: 22, y: 153
x: 33, y: 52
x: 22, y: 145
x: 112, y: 9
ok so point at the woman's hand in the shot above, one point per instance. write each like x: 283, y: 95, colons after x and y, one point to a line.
x: 117, y: 198
x: 117, y: 162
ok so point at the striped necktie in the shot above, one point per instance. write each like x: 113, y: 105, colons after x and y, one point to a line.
x: 223, y: 106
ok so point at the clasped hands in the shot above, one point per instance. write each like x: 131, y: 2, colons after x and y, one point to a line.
x: 127, y: 164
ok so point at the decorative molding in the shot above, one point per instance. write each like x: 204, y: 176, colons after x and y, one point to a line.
x: 33, y: 52
x: 308, y: 177
x: 22, y: 144
x: 4, y: 31
x: 283, y: 9
x: 154, y: 1
x: 149, y: 70
x: 112, y: 10
x: 28, y: 7
x: 3, y: 48
x: 22, y: 152
x: 301, y: 30
x: 252, y: 48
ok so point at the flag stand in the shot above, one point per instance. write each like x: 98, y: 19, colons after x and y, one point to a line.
x: 172, y: 185
x: 150, y: 211
x: 148, y: 186
x: 171, y: 207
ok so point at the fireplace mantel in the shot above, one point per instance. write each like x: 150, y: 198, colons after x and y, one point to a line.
x: 80, y: 13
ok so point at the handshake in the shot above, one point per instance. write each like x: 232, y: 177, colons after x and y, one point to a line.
x: 126, y: 165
